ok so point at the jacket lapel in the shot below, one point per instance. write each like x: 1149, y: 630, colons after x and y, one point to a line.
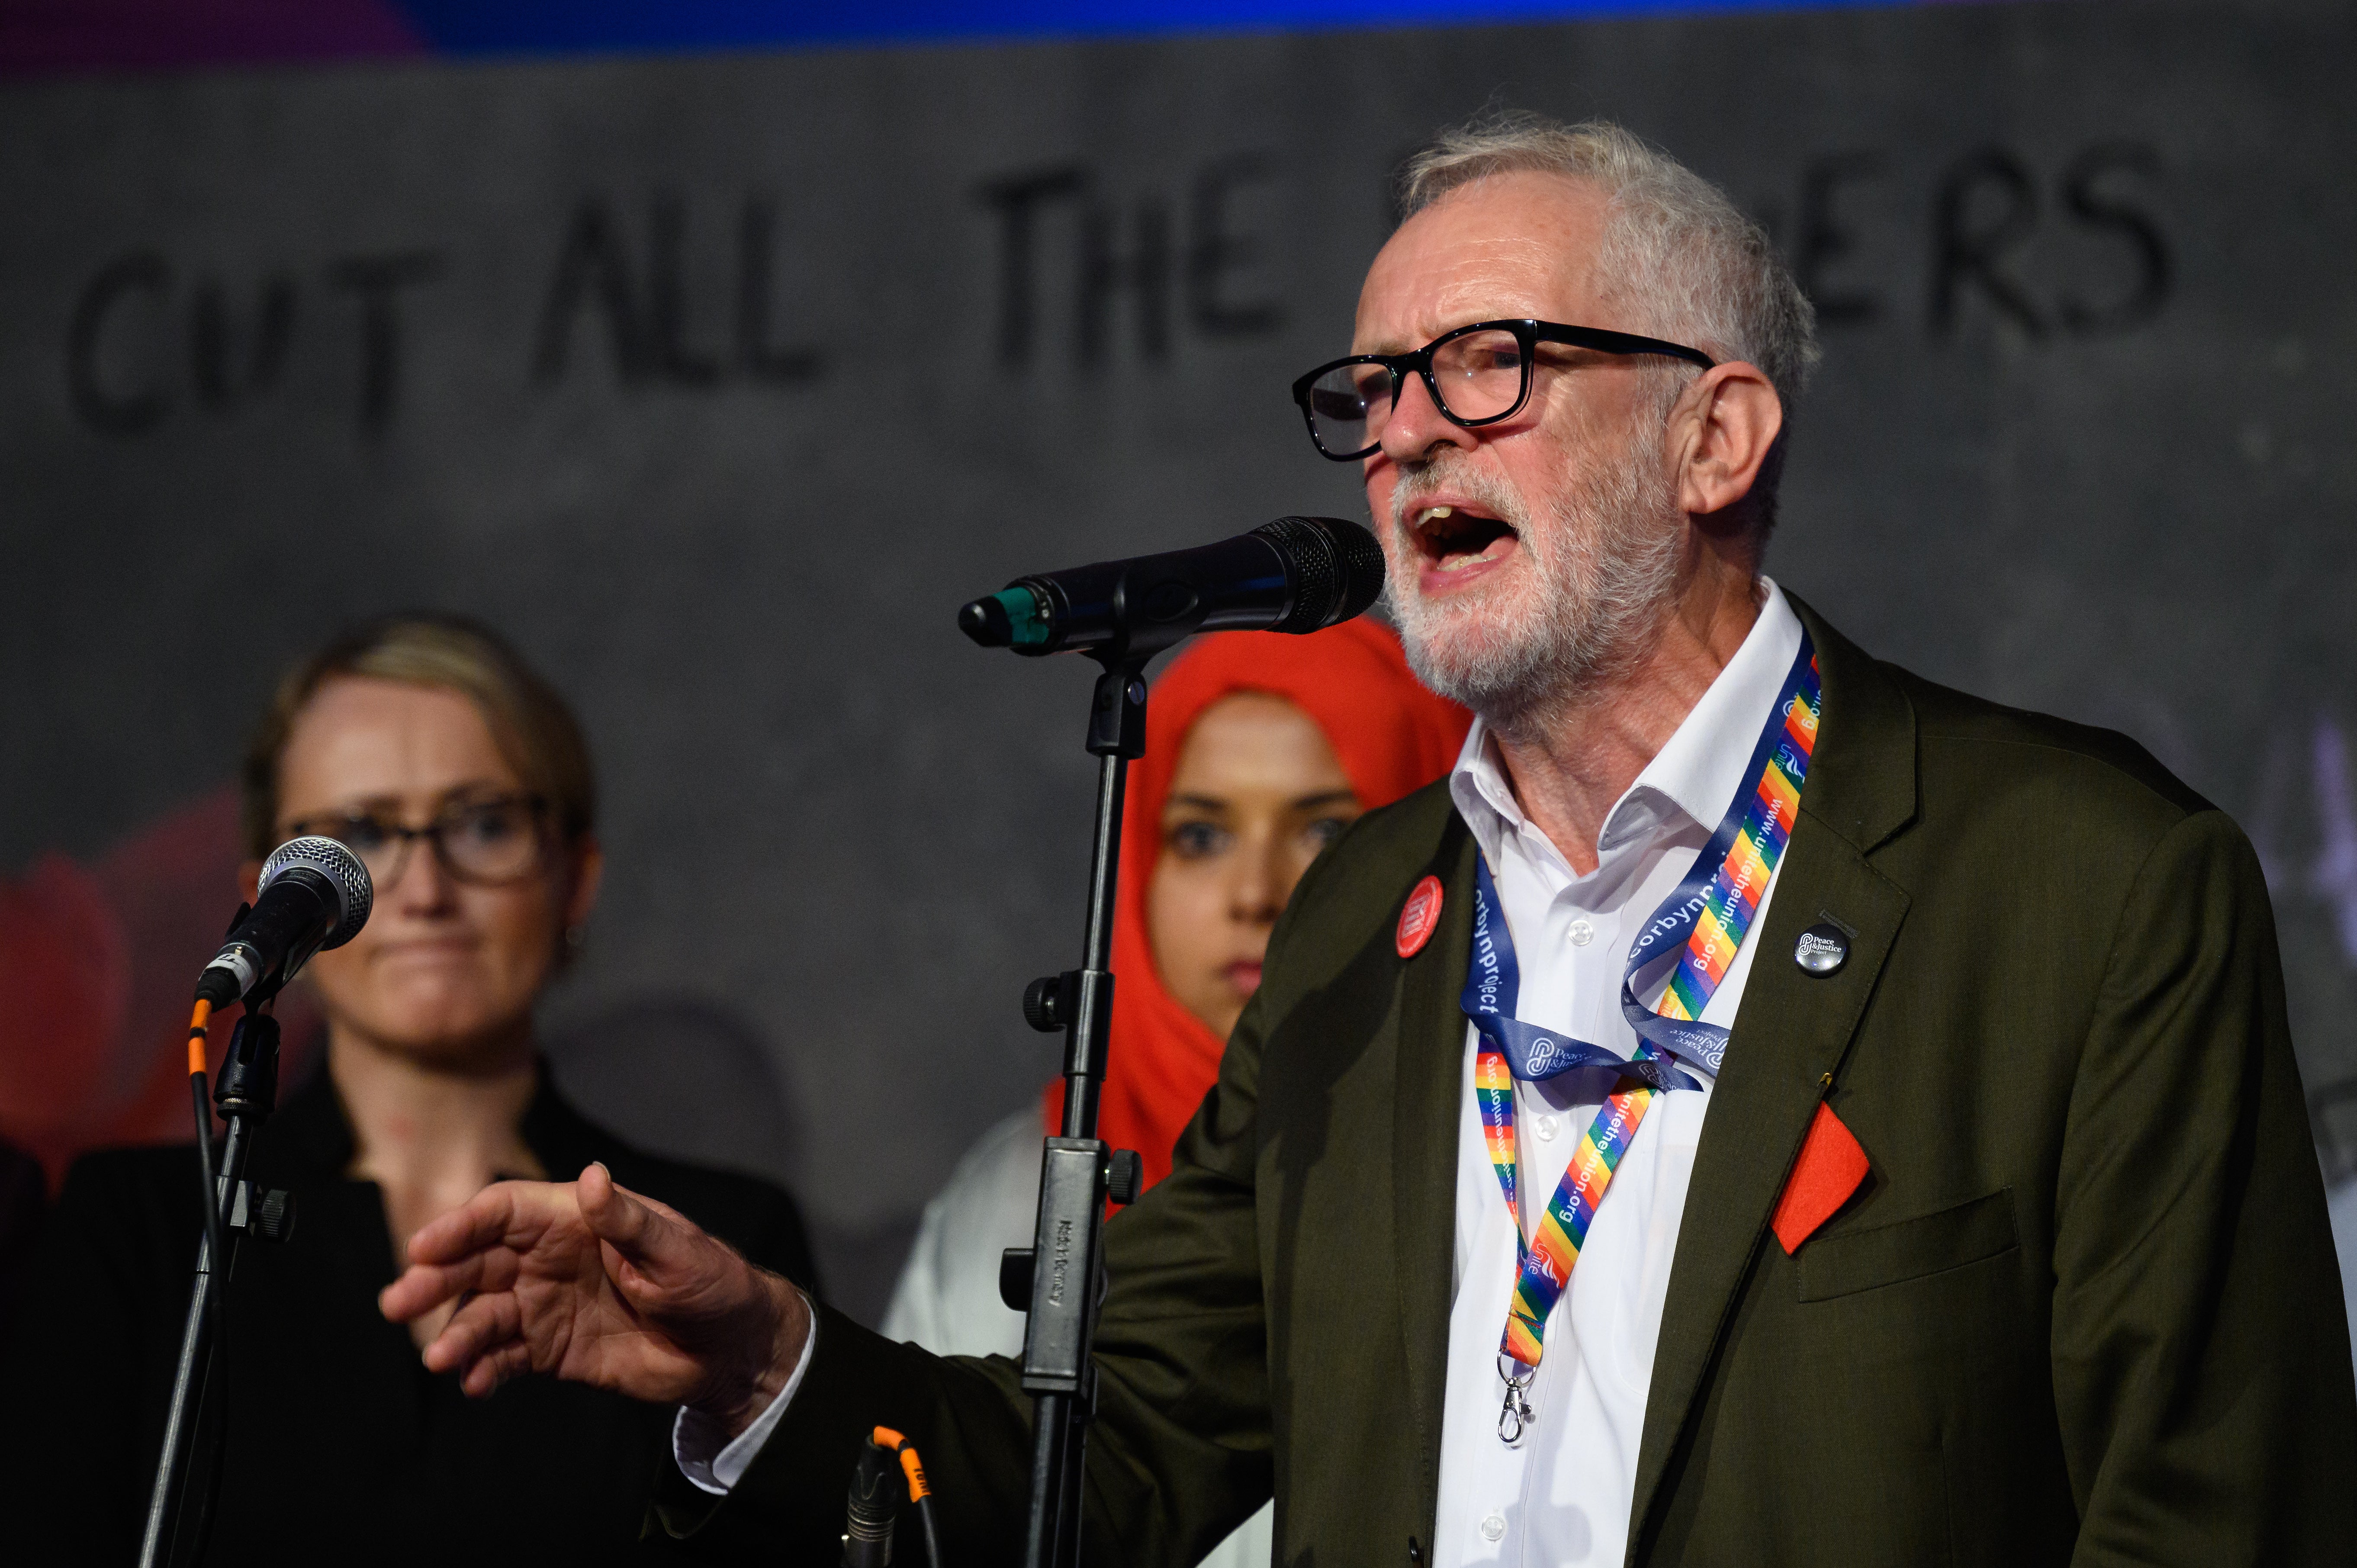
x: 1426, y: 1108
x: 1789, y: 1032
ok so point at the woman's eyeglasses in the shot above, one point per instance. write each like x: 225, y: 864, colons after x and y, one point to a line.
x: 1477, y: 375
x: 485, y: 842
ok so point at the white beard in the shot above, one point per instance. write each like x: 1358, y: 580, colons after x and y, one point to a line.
x: 1603, y: 553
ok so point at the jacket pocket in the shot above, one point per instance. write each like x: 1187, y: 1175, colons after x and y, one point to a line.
x: 1846, y: 1262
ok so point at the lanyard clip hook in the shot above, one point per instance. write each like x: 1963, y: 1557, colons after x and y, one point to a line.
x: 1514, y: 1416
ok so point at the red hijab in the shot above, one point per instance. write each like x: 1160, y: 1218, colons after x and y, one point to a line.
x: 1391, y: 735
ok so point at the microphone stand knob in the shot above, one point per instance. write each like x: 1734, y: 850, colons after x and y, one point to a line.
x: 1125, y: 1182
x: 1050, y: 1002
x: 266, y: 1212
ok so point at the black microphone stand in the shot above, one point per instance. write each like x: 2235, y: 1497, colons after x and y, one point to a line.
x: 1298, y: 574
x: 247, y: 1094
x: 1060, y: 1279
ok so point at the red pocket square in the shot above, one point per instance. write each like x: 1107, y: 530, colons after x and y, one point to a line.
x: 1829, y: 1169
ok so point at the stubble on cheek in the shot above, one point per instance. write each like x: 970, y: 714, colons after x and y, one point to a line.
x: 1594, y: 561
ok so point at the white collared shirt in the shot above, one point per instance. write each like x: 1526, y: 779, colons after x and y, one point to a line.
x: 1563, y: 1495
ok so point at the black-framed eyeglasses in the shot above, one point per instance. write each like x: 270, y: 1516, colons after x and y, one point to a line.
x: 1477, y: 375
x: 483, y: 842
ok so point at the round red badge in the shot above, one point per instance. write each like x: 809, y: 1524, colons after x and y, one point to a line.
x: 1419, y: 917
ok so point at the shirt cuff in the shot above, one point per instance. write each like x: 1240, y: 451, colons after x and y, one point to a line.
x: 695, y: 1438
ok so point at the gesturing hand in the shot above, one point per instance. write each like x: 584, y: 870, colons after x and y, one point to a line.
x: 591, y: 1282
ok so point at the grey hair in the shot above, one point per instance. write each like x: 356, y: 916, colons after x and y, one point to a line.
x: 1678, y: 256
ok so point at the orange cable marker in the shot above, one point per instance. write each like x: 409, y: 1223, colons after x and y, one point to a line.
x: 910, y: 1464
x: 914, y: 1468
x: 198, y: 1022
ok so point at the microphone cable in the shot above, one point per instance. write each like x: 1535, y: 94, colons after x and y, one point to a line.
x: 203, y: 1494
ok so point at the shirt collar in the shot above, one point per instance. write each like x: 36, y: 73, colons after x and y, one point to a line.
x: 1691, y: 779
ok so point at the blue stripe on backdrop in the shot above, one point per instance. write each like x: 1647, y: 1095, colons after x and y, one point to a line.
x: 501, y: 27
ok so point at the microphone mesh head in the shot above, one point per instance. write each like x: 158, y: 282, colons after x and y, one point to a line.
x: 1336, y: 569
x: 341, y: 868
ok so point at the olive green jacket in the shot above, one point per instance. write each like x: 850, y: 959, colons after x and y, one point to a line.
x: 2084, y: 1309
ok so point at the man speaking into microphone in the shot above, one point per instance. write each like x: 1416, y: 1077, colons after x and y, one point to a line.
x: 1761, y: 1109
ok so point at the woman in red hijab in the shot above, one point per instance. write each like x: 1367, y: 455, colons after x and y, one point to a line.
x: 1260, y: 749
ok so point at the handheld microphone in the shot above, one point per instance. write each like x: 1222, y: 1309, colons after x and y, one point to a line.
x: 314, y: 894
x: 1295, y: 574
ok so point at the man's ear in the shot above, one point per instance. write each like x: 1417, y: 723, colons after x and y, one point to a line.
x: 1729, y: 420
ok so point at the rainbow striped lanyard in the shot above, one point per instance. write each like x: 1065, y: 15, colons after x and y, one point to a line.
x: 1702, y: 925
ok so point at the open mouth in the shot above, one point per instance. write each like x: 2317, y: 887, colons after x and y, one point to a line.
x: 1454, y: 538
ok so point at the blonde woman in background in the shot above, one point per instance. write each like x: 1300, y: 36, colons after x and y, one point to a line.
x: 427, y: 746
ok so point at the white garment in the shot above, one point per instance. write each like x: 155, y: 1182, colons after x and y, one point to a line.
x: 947, y: 1300
x: 1563, y: 1495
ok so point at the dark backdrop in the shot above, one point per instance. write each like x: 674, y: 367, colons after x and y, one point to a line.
x: 719, y: 382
